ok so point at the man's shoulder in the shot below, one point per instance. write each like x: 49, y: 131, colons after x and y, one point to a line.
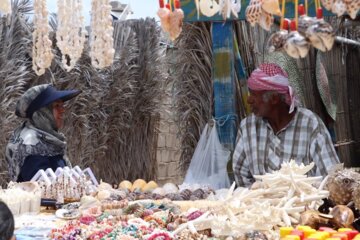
x: 311, y: 118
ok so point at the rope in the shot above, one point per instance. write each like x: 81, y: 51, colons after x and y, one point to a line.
x: 220, y: 121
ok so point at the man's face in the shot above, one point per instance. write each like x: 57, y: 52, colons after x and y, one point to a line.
x: 58, y: 112
x: 257, y: 104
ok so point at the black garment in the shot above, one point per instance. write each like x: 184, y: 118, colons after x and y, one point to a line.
x: 34, y: 163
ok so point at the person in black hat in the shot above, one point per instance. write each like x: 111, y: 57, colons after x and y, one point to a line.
x: 7, y: 223
x: 37, y: 143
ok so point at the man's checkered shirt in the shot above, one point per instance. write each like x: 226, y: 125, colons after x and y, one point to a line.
x: 259, y: 150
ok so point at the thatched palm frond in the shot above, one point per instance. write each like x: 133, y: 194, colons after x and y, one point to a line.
x: 190, y: 72
x: 15, y: 68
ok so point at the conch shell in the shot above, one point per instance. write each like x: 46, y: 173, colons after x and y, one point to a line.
x: 314, y: 219
x: 296, y: 45
x: 272, y: 7
x: 321, y: 35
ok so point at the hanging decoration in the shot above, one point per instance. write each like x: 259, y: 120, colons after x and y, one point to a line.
x: 101, y: 39
x: 5, y: 7
x: 339, y: 7
x: 171, y: 20
x: 304, y: 32
x: 41, y: 54
x: 261, y: 12
x: 225, y: 8
x: 70, y: 35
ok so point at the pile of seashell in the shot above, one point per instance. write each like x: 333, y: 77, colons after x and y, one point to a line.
x: 311, y: 31
x: 140, y: 190
x: 261, y: 12
x: 339, y: 7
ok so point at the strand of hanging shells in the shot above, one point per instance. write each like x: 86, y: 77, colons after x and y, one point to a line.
x: 101, y: 40
x: 70, y: 35
x: 5, y: 7
x: 41, y: 53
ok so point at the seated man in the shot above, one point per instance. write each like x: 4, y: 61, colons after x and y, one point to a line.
x: 278, y: 131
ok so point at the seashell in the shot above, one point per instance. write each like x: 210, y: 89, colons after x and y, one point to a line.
x: 321, y: 35
x: 341, y: 185
x: 103, y: 194
x: 338, y: 7
x: 186, y: 194
x: 266, y: 20
x: 150, y: 186
x: 236, y: 7
x: 296, y: 45
x: 253, y: 12
x: 209, y: 8
x: 176, y: 21
x: 174, y: 196
x: 225, y: 9
x: 327, y: 4
x: 164, y: 15
x: 125, y: 185
x: 104, y: 186
x: 160, y: 191
x: 255, y: 235
x: 156, y: 196
x: 352, y: 8
x: 275, y: 43
x: 271, y: 7
x: 313, y: 218
x: 199, y: 193
x: 343, y: 217
x: 170, y: 188
x: 194, y: 215
x: 305, y: 22
x: 132, y: 208
x: 138, y: 184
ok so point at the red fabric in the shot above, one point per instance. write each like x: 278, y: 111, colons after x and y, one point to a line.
x: 271, y: 77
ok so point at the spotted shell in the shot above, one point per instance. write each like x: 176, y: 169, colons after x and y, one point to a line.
x: 253, y: 11
x: 352, y: 8
x: 327, y: 4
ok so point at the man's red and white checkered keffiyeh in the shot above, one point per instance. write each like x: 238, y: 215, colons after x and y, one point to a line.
x: 271, y: 77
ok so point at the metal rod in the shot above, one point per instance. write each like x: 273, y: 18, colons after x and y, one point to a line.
x: 347, y: 41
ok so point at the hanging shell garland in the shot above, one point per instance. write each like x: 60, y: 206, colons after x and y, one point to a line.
x: 339, y: 7
x: 5, y: 6
x: 70, y: 35
x: 101, y: 40
x: 41, y: 53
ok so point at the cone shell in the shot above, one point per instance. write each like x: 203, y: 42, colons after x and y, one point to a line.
x: 253, y: 12
x: 339, y: 8
x: 327, y: 4
x: 296, y: 45
x: 150, y: 186
x: 138, y: 184
x: 272, y: 7
x: 125, y: 185
x: 266, y: 20
x: 352, y: 8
